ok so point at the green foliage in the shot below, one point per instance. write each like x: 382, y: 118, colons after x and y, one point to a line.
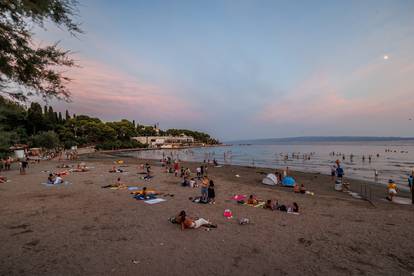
x: 43, y: 127
x: 146, y: 131
x: 198, y: 136
x: 48, y: 140
x: 119, y: 144
x: 124, y: 129
x: 21, y: 63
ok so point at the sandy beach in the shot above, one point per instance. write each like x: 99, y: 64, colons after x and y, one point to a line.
x: 82, y: 229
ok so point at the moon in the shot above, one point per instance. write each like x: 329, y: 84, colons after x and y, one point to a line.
x: 386, y: 57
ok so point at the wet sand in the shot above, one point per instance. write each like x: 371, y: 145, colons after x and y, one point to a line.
x: 81, y: 228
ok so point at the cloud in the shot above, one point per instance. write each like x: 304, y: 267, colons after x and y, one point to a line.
x: 103, y: 91
x: 373, y: 93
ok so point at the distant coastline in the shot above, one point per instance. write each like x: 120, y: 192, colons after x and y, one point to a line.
x: 321, y: 139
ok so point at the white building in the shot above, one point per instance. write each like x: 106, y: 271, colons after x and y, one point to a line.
x: 165, y: 141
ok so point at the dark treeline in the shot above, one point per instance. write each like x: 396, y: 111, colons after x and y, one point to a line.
x: 43, y: 127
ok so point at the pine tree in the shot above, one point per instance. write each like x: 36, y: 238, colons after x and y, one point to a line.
x: 60, y: 119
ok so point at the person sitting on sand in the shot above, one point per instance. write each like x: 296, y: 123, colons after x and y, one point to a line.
x: 296, y: 188
x: 58, y: 180
x: 193, y: 183
x: 392, y: 189
x: 185, y: 182
x: 252, y: 200
x: 302, y: 189
x: 50, y: 179
x: 3, y: 179
x: 268, y: 205
x: 193, y: 223
x: 81, y: 168
x: 294, y: 208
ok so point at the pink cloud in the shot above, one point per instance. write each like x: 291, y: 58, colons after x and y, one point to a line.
x: 375, y: 92
x: 100, y: 90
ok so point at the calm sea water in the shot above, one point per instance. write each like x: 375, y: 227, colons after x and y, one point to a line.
x: 393, y: 160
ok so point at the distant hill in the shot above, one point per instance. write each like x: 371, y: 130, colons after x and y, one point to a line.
x: 320, y: 139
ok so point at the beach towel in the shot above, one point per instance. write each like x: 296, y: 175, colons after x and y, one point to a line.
x: 239, y: 197
x: 260, y: 204
x: 141, y: 197
x: 154, y: 201
x: 121, y: 187
x: 56, y: 185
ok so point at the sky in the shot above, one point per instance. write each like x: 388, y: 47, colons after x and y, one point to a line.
x: 245, y: 69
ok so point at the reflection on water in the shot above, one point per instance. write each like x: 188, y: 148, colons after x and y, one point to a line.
x: 359, y: 160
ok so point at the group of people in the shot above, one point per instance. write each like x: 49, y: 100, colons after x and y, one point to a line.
x: 272, y: 205
x: 5, y: 163
x: 54, y: 179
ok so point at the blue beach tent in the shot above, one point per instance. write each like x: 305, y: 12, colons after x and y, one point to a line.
x: 288, y: 181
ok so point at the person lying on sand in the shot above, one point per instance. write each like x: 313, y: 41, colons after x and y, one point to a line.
x: 81, y: 168
x: 116, y: 185
x: 116, y: 170
x: 144, y: 195
x: 63, y: 166
x: 294, y: 208
x: 193, y: 223
x: 3, y: 179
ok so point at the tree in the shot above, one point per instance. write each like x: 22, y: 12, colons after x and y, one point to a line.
x: 25, y: 67
x: 35, y: 119
x: 60, y: 119
x: 51, y: 117
x: 48, y: 140
x: 67, y: 116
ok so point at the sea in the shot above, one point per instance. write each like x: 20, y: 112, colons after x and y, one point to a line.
x: 374, y: 161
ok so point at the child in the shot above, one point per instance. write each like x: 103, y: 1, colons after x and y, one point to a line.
x: 392, y: 189
x: 50, y: 179
x: 252, y: 200
x: 211, y: 193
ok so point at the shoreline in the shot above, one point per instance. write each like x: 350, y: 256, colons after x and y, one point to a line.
x: 377, y: 188
x: 404, y: 189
